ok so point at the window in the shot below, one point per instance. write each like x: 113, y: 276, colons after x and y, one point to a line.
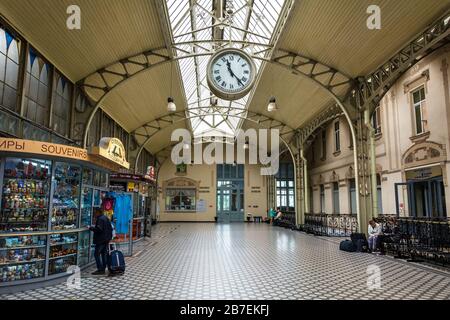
x: 352, y: 195
x: 285, y: 187
x: 337, y: 137
x: 107, y: 126
x: 322, y: 198
x: 61, y: 105
x: 324, y: 145
x: 376, y: 120
x: 336, y: 208
x: 37, y: 89
x: 9, y: 70
x: 379, y: 196
x: 180, y: 199
x: 419, y: 102
x: 229, y: 171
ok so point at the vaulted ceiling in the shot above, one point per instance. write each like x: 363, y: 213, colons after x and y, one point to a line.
x: 331, y: 32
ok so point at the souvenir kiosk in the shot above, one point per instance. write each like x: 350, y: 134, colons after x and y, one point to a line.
x: 49, y: 194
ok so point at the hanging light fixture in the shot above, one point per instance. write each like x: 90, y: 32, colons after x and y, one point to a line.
x: 272, y: 106
x: 186, y: 146
x: 246, y: 145
x: 171, y: 106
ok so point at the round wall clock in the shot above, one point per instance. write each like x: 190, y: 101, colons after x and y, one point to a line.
x: 231, y: 74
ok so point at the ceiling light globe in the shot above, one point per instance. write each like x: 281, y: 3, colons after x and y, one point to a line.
x: 272, y: 106
x: 171, y: 106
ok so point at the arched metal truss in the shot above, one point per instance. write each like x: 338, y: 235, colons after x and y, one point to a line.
x: 372, y: 88
x: 165, y: 153
x: 100, y: 84
x: 326, y: 116
x: 152, y: 128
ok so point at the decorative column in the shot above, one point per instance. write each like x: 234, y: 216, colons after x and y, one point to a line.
x: 299, y: 189
x: 363, y: 163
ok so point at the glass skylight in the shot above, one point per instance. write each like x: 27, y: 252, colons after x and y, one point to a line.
x: 248, y: 25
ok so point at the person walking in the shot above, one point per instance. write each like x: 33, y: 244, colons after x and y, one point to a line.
x: 103, y: 234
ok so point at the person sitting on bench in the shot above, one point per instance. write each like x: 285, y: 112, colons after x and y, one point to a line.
x: 374, y: 233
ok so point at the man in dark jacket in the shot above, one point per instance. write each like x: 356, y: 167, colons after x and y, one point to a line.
x: 102, y: 236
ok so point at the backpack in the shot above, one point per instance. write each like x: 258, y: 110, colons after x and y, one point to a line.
x: 347, y: 245
x: 360, y: 242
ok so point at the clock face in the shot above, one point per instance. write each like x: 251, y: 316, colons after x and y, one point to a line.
x: 231, y: 74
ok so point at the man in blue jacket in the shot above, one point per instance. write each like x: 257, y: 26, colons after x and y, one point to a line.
x: 102, y: 236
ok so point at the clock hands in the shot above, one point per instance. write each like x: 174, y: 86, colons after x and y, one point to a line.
x: 232, y: 73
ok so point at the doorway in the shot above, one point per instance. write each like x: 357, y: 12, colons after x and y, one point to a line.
x: 230, y: 193
x: 421, y: 198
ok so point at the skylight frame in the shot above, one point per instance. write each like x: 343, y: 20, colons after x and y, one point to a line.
x: 192, y: 22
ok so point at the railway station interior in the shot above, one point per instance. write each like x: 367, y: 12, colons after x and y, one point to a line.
x: 233, y: 144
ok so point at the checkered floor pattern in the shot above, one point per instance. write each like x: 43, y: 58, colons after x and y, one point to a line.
x: 249, y: 261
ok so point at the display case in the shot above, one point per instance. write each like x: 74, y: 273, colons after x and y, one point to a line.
x: 67, y: 184
x: 22, y: 258
x: 25, y: 195
x: 63, y: 252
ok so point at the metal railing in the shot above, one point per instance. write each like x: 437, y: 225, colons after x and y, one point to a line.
x: 287, y: 220
x: 331, y: 225
x: 417, y: 239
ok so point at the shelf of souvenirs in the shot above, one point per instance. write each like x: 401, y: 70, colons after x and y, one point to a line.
x: 24, y: 202
x: 13, y: 228
x: 61, y: 239
x: 22, y: 272
x: 22, y: 256
x: 63, y: 256
x: 41, y: 232
x: 38, y: 246
x: 40, y: 179
x: 11, y: 263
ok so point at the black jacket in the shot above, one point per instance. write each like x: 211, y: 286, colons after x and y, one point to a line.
x: 102, y: 230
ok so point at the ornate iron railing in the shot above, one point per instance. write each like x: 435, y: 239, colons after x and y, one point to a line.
x: 417, y: 239
x: 332, y: 225
x: 287, y: 220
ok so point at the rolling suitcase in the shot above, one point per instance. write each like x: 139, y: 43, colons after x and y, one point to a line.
x: 116, y: 261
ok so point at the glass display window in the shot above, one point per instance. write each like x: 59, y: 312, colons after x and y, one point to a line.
x: 66, y: 196
x: 86, y: 207
x: 63, y: 252
x: 88, y: 177
x: 25, y: 195
x: 84, y: 244
x: 22, y: 258
x: 98, y: 197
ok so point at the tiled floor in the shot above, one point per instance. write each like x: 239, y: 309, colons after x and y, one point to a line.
x: 254, y: 261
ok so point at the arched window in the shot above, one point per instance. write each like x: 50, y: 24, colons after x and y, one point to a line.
x: 9, y: 70
x: 61, y: 105
x: 37, y: 89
